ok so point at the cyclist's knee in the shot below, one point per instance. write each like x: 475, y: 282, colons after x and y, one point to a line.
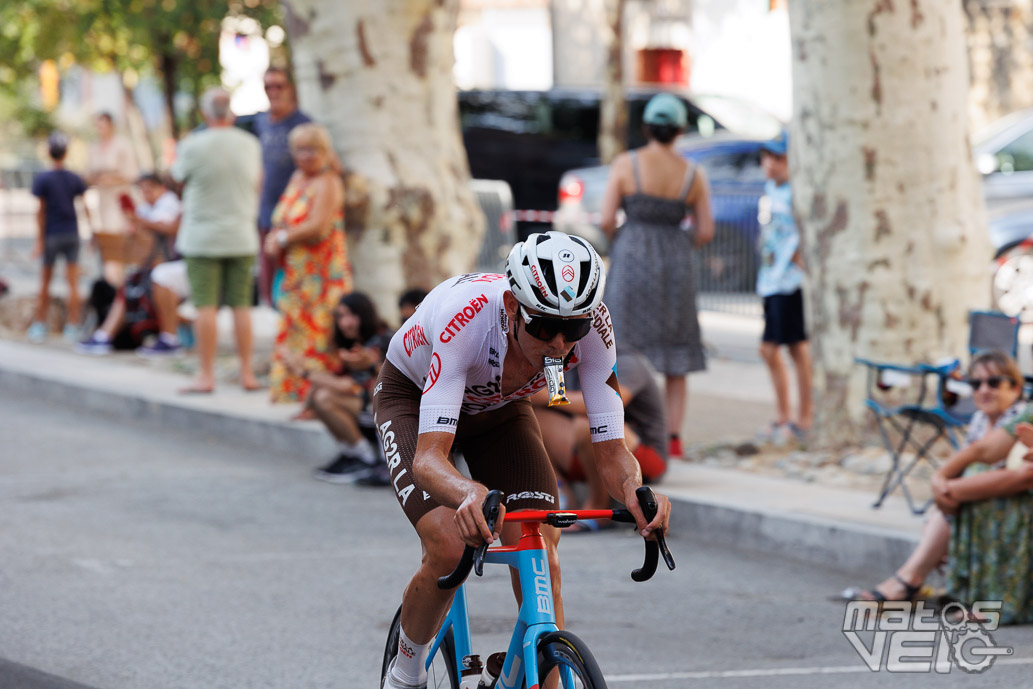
x: 442, y: 554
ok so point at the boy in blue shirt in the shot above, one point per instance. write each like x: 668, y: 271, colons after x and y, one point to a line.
x: 779, y: 282
x: 57, y: 191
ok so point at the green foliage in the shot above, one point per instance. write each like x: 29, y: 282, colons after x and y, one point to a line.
x: 135, y: 37
x: 21, y: 118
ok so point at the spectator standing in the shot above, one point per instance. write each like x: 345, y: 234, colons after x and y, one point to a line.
x: 112, y: 169
x: 651, y: 288
x: 272, y: 128
x: 220, y: 168
x: 57, y: 191
x: 780, y: 284
x: 308, y: 241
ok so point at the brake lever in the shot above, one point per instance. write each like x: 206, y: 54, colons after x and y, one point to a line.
x: 473, y: 558
x: 647, y: 501
x: 491, y: 515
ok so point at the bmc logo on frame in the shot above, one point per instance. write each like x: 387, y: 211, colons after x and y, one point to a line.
x: 900, y: 636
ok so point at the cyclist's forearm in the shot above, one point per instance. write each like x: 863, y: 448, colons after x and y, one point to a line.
x: 442, y: 481
x: 618, y: 468
x: 436, y: 474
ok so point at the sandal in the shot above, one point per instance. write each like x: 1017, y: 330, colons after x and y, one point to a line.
x: 877, y: 596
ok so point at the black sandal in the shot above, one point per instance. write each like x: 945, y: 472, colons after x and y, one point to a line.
x: 877, y: 596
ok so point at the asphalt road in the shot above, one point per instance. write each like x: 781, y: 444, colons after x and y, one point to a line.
x: 132, y: 557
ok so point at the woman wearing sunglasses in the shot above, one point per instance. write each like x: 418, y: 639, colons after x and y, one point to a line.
x: 460, y: 373
x: 983, y: 520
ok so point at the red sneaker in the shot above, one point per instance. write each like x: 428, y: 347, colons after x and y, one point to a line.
x: 674, y: 448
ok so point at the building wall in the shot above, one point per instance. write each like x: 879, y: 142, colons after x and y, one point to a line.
x: 736, y: 48
x: 742, y: 49
x: 504, y: 44
x: 578, y: 42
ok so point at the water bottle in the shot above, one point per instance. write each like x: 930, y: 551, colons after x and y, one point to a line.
x: 492, y: 670
x: 471, y: 672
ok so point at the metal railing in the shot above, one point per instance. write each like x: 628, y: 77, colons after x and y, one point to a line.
x: 726, y: 268
x: 17, y: 216
x: 496, y: 201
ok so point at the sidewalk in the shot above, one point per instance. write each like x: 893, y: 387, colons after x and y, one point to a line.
x: 820, y: 524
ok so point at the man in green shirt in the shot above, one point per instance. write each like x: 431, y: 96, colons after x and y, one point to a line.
x: 221, y: 170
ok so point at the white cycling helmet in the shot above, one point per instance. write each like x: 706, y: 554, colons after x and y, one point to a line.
x: 556, y: 274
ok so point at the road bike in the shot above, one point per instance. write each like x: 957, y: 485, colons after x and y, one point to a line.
x: 537, y: 647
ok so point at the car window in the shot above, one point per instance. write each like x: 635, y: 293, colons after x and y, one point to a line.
x: 737, y: 166
x: 740, y: 117
x: 575, y: 118
x: 519, y: 112
x: 1016, y: 156
x: 991, y: 131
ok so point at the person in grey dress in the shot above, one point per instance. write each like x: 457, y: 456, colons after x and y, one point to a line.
x: 651, y: 288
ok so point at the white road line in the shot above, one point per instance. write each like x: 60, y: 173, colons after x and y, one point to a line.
x: 777, y: 672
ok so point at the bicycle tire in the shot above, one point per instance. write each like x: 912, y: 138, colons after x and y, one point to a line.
x: 442, y: 672
x: 563, y: 649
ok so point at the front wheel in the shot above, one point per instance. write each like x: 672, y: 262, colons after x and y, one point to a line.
x: 442, y: 671
x: 568, y: 655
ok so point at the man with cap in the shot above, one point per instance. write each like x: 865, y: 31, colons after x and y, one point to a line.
x: 779, y: 283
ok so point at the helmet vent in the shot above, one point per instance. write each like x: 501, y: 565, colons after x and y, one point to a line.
x: 549, y: 275
x: 586, y: 270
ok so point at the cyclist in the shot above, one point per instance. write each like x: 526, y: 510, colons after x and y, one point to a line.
x: 459, y: 374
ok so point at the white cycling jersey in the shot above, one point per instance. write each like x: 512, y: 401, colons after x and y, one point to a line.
x: 455, y: 344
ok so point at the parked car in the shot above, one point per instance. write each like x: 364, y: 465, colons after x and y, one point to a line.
x: 1011, y: 233
x: 1004, y: 156
x: 732, y: 165
x: 530, y: 138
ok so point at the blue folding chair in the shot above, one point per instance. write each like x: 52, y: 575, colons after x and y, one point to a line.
x: 941, y: 408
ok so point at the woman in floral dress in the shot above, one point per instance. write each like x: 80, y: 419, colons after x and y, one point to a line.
x: 308, y: 240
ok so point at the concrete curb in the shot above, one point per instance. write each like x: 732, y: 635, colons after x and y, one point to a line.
x: 19, y: 676
x: 827, y: 542
x: 852, y: 547
x: 303, y: 441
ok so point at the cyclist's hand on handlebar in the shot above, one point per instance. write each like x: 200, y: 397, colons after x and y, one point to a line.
x: 663, y: 512
x: 473, y: 528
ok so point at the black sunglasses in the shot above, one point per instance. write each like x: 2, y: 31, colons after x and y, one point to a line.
x: 993, y: 381
x: 547, y: 327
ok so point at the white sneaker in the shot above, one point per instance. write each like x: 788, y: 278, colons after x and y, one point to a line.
x: 391, y: 683
x: 362, y: 449
x: 94, y: 345
x: 37, y: 332
x: 782, y: 435
x: 776, y: 434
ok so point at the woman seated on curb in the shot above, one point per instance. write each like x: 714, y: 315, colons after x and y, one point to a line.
x: 337, y: 398
x: 982, y: 523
